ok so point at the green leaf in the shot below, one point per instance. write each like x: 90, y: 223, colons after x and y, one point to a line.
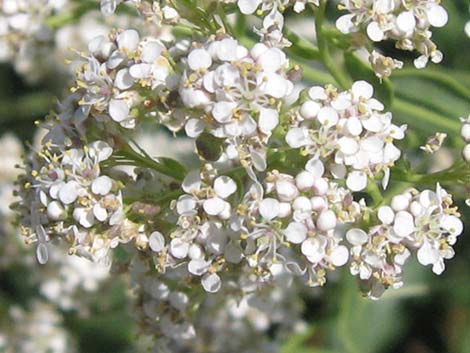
x: 178, y: 169
x: 363, y: 325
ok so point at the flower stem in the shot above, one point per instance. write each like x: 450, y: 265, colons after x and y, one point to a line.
x: 127, y: 155
x: 374, y: 192
x: 459, y: 173
x: 330, y: 65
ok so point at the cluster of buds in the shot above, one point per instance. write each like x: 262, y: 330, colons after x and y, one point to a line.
x: 408, y: 23
x: 424, y: 223
x: 347, y: 131
x: 289, y: 224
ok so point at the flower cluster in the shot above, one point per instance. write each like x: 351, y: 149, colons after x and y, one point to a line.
x: 261, y: 6
x: 117, y: 74
x: 284, y: 187
x: 348, y: 131
x: 38, y: 331
x: 24, y: 35
x: 65, y: 195
x: 407, y: 22
x: 421, y: 222
x: 227, y: 320
x: 72, y: 277
x: 235, y: 94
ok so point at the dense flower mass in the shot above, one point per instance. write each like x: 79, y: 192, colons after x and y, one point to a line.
x: 348, y: 131
x: 281, y: 189
x: 408, y: 23
x: 236, y: 94
x: 117, y: 74
x: 25, y: 38
x: 65, y: 195
x: 424, y: 223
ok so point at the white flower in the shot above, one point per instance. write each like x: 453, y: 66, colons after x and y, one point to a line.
x: 465, y: 129
x: 248, y: 7
x: 466, y: 153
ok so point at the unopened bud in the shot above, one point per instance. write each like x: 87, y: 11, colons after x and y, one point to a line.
x: 466, y: 153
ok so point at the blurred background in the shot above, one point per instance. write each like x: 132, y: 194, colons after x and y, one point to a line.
x: 66, y: 306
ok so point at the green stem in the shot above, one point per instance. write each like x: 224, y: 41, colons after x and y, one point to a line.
x: 374, y: 192
x: 333, y: 68
x: 314, y: 75
x: 127, y: 155
x: 301, y: 47
x: 457, y: 174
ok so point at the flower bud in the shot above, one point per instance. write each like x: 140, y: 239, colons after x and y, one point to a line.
x: 284, y: 209
x: 286, y: 190
x: 320, y: 186
x: 326, y: 220
x: 318, y: 203
x: 304, y: 180
x: 465, y: 132
x: 466, y: 153
x: 309, y: 109
x: 302, y: 203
